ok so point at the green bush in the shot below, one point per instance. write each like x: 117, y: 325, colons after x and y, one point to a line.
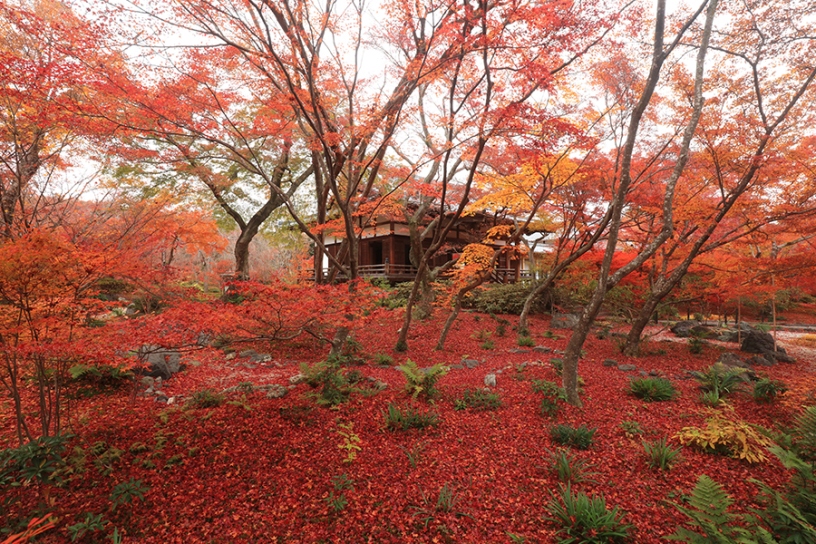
x: 398, y: 420
x: 125, y: 492
x: 40, y: 460
x: 576, y: 437
x: 479, y: 399
x: 525, y: 341
x: 206, y: 398
x: 583, y: 519
x: 719, y: 378
x: 652, y: 389
x: 804, y: 434
x: 660, y: 454
x: 333, y: 384
x: 504, y: 298
x: 384, y: 359
x: 569, y: 468
x: 422, y: 381
x: 766, y: 390
x: 553, y: 395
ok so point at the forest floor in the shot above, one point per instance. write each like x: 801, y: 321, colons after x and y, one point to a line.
x: 259, y: 469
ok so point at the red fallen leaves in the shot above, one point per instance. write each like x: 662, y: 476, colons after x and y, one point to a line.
x: 267, y: 474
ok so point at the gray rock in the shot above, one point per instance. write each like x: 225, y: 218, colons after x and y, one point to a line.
x: 518, y: 350
x: 564, y: 321
x: 470, y: 363
x: 490, y: 380
x: 457, y: 366
x: 610, y: 362
x: 148, y: 381
x: 161, y: 398
x: 161, y: 362
x: 762, y: 343
x: 297, y: 378
x: 654, y: 373
x: 627, y: 368
x: 230, y: 356
x: 759, y: 360
x: 731, y: 359
x: 275, y: 391
x: 542, y: 349
x: 682, y: 329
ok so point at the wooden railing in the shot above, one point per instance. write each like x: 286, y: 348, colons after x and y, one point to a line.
x: 407, y: 272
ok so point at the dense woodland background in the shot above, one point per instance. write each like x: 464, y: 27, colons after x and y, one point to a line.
x: 184, y: 188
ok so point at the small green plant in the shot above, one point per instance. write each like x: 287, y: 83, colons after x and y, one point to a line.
x: 711, y: 398
x: 40, y: 460
x: 383, y: 359
x: 584, y: 519
x: 727, y: 435
x: 525, y: 341
x: 125, y: 492
x: 767, y: 390
x: 804, y: 434
x: 174, y: 460
x: 652, y: 389
x: 710, y: 520
x: 91, y: 524
x: 445, y: 502
x: 422, y: 381
x: 569, y: 468
x: 206, y: 398
x: 631, y: 428
x: 488, y: 344
x: 332, y: 384
x: 105, y: 457
x: 553, y: 395
x: 337, y: 501
x: 414, y: 454
x: 398, y: 420
x: 550, y: 334
x: 696, y: 345
x: 479, y: 399
x: 558, y: 364
x: 516, y: 539
x: 660, y: 454
x: 576, y: 437
x: 720, y: 378
x: 350, y: 443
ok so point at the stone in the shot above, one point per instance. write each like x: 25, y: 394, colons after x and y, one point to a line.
x: 161, y: 362
x: 762, y: 343
x: 490, y: 380
x: 470, y: 363
x: 759, y: 360
x: 610, y: 362
x: 654, y: 373
x: 148, y: 381
x: 297, y: 378
x: 542, y: 349
x: 275, y: 391
x: 160, y: 397
x: 564, y: 321
x: 682, y: 329
x: 171, y: 400
x: 731, y: 359
x: 627, y: 368
x: 729, y: 336
x: 230, y: 356
x: 518, y: 350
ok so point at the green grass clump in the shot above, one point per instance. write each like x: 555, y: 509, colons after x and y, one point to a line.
x: 577, y: 437
x: 652, y: 389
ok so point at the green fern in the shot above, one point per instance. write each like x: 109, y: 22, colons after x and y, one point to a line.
x: 422, y: 381
x: 711, y: 522
x: 805, y: 433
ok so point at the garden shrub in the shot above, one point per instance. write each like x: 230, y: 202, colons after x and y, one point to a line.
x: 581, y: 518
x: 398, y: 420
x: 553, y: 394
x: 479, y: 399
x: 525, y: 341
x: 422, y: 381
x: 720, y: 379
x: 334, y: 384
x: 804, y: 434
x: 652, y: 389
x: 504, y: 298
x: 766, y: 389
x: 39, y: 460
x: 569, y: 468
x: 711, y: 522
x: 727, y: 436
x: 576, y: 437
x: 660, y: 454
x: 206, y: 398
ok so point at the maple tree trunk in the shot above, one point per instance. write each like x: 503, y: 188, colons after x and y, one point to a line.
x: 632, y: 345
x: 241, y: 253
x: 440, y: 345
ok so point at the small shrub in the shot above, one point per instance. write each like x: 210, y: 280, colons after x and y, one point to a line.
x: 558, y: 365
x: 766, y: 390
x: 422, y: 381
x: 580, y: 518
x: 720, y: 378
x: 488, y: 344
x: 660, y: 454
x: 414, y: 454
x: 726, y: 436
x: 398, y: 420
x: 804, y: 434
x: 553, y: 394
x: 525, y: 341
x: 206, y: 398
x: 576, y: 437
x: 332, y: 384
x: 479, y: 399
x: 384, y: 359
x: 631, y: 428
x: 652, y: 389
x: 696, y: 345
x: 710, y: 520
x: 337, y: 499
x: 550, y: 334
x: 91, y: 524
x: 40, y: 460
x: 125, y: 492
x: 711, y: 398
x: 504, y: 298
x: 351, y: 441
x: 569, y: 468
